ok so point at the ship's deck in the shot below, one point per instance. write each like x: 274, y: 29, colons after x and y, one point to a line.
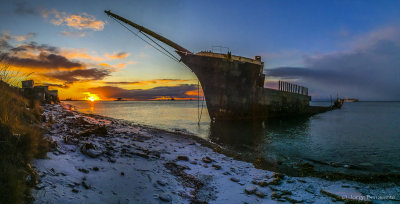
x: 233, y: 57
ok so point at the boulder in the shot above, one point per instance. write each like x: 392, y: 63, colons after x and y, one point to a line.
x: 90, y: 150
x: 164, y: 197
x: 182, y: 158
x: 250, y: 189
x: 207, y: 159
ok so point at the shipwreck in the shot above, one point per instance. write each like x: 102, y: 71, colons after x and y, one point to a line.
x: 233, y: 86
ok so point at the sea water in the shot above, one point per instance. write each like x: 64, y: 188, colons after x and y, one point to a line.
x: 365, y: 135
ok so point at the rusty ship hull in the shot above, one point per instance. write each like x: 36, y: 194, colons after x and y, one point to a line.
x: 233, y: 88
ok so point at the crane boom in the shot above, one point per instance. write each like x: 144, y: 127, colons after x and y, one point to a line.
x: 147, y: 31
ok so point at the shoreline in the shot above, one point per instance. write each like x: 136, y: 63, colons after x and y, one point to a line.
x: 98, y: 158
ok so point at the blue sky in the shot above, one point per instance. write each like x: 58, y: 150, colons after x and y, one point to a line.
x: 284, y: 33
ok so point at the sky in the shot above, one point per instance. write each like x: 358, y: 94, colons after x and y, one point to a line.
x: 345, y: 48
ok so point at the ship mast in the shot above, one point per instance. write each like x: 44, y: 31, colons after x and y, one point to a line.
x: 147, y: 31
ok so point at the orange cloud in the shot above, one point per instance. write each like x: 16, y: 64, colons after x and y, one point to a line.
x: 195, y: 93
x: 23, y: 37
x: 119, y: 55
x: 82, y: 21
x: 154, y: 81
x: 79, y: 54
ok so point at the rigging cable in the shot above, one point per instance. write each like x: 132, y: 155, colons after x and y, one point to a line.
x: 173, y: 57
x: 160, y: 46
x: 199, y: 111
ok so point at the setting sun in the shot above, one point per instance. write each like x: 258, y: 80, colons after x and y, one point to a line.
x: 91, y: 97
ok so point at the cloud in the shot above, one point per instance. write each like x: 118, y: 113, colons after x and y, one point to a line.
x: 154, y: 81
x: 119, y: 55
x: 79, y: 74
x: 144, y: 94
x: 44, y: 60
x: 22, y: 9
x: 65, y: 85
x: 370, y: 70
x: 5, y: 37
x: 24, y: 37
x: 51, y: 62
x: 79, y: 22
x: 80, y: 54
x: 33, y: 55
x: 78, y: 33
x: 33, y: 46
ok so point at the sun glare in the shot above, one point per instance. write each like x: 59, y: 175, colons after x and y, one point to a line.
x: 91, y: 97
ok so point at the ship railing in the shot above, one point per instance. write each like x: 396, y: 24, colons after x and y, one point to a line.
x: 292, y: 88
x: 220, y: 49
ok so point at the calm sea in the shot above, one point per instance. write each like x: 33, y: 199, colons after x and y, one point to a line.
x: 362, y: 137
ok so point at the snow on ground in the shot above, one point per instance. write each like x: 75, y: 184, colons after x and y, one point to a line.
x: 96, y: 159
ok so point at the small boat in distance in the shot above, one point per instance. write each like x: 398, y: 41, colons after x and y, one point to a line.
x: 350, y: 100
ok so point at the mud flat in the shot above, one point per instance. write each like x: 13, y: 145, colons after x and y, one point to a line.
x: 96, y: 159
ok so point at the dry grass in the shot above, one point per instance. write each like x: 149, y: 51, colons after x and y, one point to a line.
x: 21, y: 139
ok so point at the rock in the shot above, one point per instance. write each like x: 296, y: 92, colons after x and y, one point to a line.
x: 226, y: 173
x: 53, y: 144
x: 310, y: 189
x: 262, y: 183
x: 95, y: 168
x: 234, y: 179
x: 275, y: 195
x: 141, y: 155
x: 39, y: 186
x: 85, y: 185
x: 290, y: 181
x: 193, y: 162
x: 279, y: 175
x: 286, y: 192
x: 59, y: 150
x: 205, y: 165
x: 348, y: 195
x: 182, y: 158
x: 250, y: 189
x: 70, y: 140
x: 260, y: 193
x: 122, y: 174
x: 164, y: 197
x: 75, y: 190
x: 276, y: 181
x: 161, y: 182
x: 217, y: 167
x: 207, y: 159
x: 111, y: 160
x: 90, y: 150
x: 192, y: 143
x: 83, y: 170
x: 291, y: 200
x: 273, y: 189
